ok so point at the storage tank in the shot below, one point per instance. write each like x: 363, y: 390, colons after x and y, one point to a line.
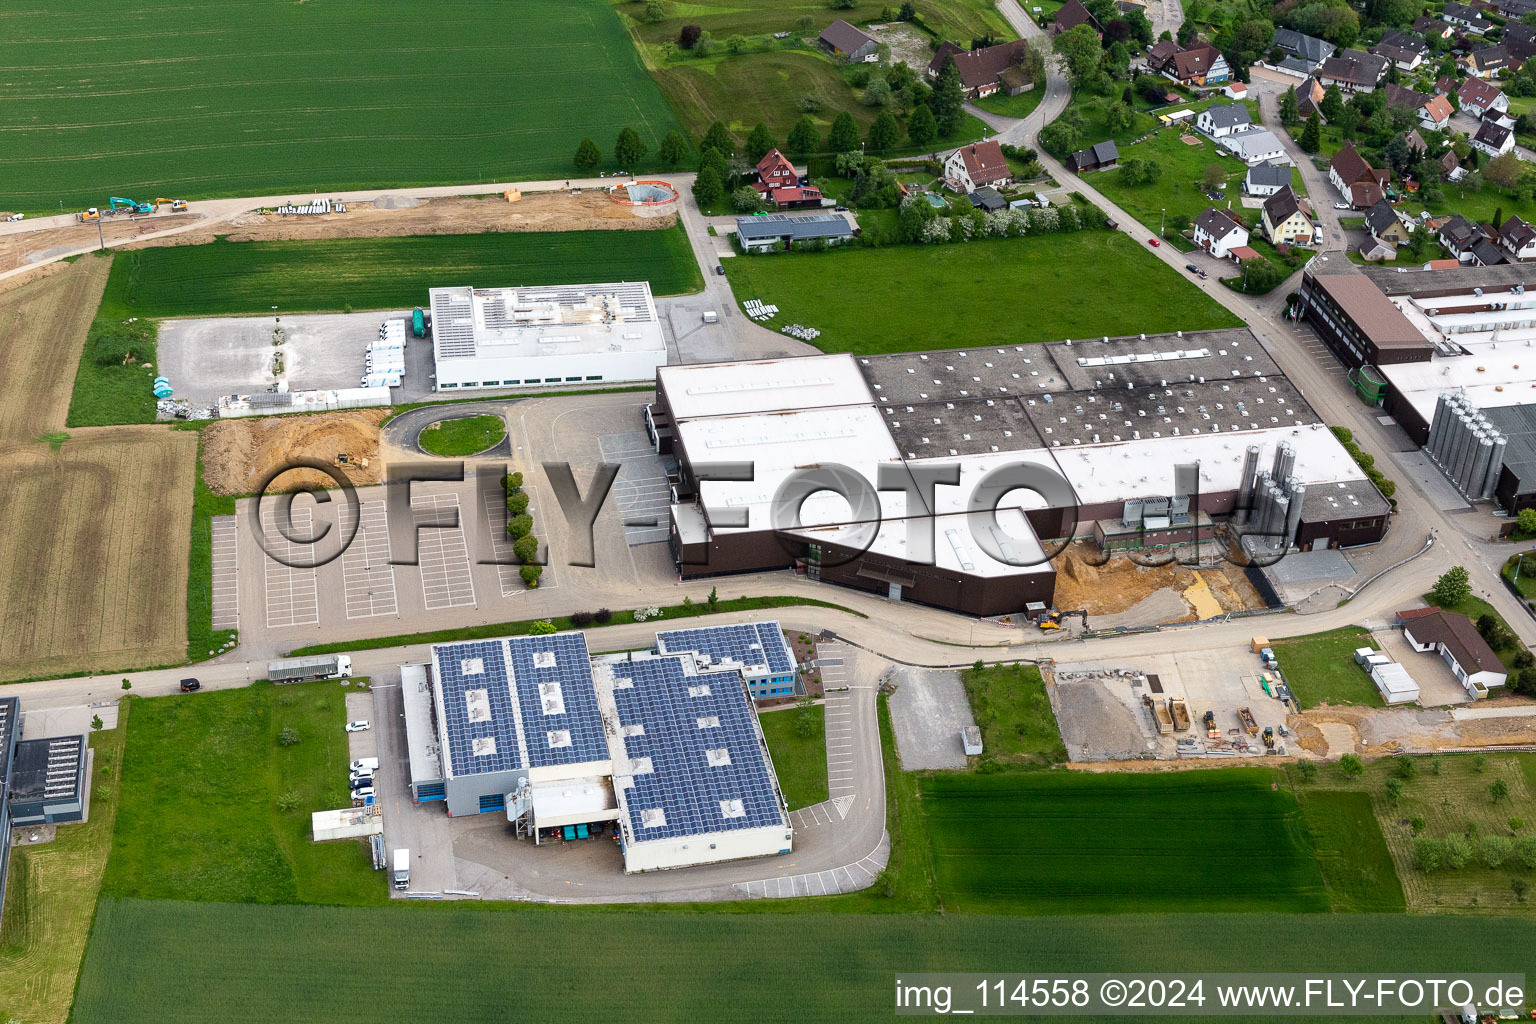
x: 1437, y: 424
x: 1293, y: 515
x: 1491, y: 479
x: 1479, y: 467
x: 1245, y: 482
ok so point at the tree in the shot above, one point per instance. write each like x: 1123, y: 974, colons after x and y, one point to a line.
x: 884, y: 133
x: 843, y: 136
x: 1519, y: 887
x: 1312, y: 135
x: 629, y: 149
x: 877, y: 93
x: 1503, y: 172
x: 759, y: 143
x: 948, y: 100
x: 745, y: 199
x: 520, y: 526
x: 708, y: 188
x: 718, y: 139
x: 96, y: 722
x: 1289, y: 113
x: 1458, y: 852
x: 1525, y: 851
x: 1186, y: 32
x: 587, y: 156
x: 688, y: 38
x: 1119, y: 118
x: 654, y: 12
x: 1136, y: 171
x: 288, y: 737
x: 715, y: 159
x: 1526, y: 519
x: 1453, y: 587
x: 714, y: 598
x: 803, y: 137
x: 1060, y: 136
x: 1495, y: 850
x: 541, y: 627
x: 923, y: 129
x: 1351, y: 765
x: 907, y: 12
x: 513, y: 482
x: 1332, y: 103
x: 736, y: 44
x: 530, y: 575
x: 127, y: 685
x: 1213, y: 176
x: 673, y: 148
x: 1080, y: 50
x: 526, y: 548
x: 1498, y: 790
x: 1428, y: 854
x: 518, y: 503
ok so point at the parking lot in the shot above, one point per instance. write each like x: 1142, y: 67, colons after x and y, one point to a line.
x: 368, y: 577
x: 224, y: 584
x: 928, y: 711
x: 292, y: 596
x: 641, y: 491
x: 443, y: 554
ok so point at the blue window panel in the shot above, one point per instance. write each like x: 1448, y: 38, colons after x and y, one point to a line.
x: 430, y: 791
x: 493, y: 802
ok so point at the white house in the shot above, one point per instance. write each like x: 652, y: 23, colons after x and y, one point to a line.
x: 1218, y: 233
x: 1255, y: 146
x: 1458, y: 643
x: 1493, y: 138
x: 978, y: 164
x: 1266, y: 179
x: 1222, y: 119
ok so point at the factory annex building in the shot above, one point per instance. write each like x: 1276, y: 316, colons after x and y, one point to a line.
x: 1151, y: 435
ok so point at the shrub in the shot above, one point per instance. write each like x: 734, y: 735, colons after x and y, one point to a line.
x: 288, y: 737
x: 541, y: 627
x: 1394, y: 789
x: 530, y: 574
x: 581, y: 618
x: 1515, y: 824
x: 1525, y: 851
x: 127, y: 685
x: 520, y: 526
x: 526, y: 548
x: 513, y: 482
x: 288, y: 801
x: 602, y: 616
x: 1417, y: 824
x: 1351, y: 765
x: 517, y: 504
x: 1498, y: 790
x: 1307, y: 770
x: 810, y: 103
x: 1403, y: 767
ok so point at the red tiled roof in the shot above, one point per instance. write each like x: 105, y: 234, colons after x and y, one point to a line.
x: 984, y: 162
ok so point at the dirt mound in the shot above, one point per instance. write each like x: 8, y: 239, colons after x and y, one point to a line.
x: 239, y: 454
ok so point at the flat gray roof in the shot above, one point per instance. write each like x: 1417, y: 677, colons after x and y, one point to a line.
x: 781, y: 225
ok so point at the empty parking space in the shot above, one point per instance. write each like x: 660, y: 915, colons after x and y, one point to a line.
x: 641, y: 491
x: 838, y: 708
x: 292, y: 598
x: 368, y: 577
x: 225, y: 584
x: 444, y: 555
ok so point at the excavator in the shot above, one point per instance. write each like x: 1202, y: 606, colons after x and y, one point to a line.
x: 1052, y: 619
x: 177, y: 205
x: 119, y: 203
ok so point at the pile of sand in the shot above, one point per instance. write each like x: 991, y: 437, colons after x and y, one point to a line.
x: 239, y: 454
x: 1120, y: 584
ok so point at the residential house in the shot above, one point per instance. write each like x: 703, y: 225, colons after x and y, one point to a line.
x: 1361, y: 185
x: 1256, y: 146
x: 1486, y: 254
x: 1416, y: 144
x: 1493, y: 138
x: 988, y: 198
x: 1073, y: 14
x: 1199, y: 64
x: 1283, y: 221
x: 761, y: 234
x: 1222, y: 119
x: 1352, y: 71
x: 1235, y: 90
x: 1309, y: 99
x: 1429, y: 27
x: 1436, y: 113
x: 978, y: 164
x: 1303, y: 53
x: 1160, y: 54
x: 1218, y: 233
x: 1266, y: 179
x: 1384, y: 224
x: 1097, y: 157
x: 1446, y: 85
x: 1405, y: 51
x: 1458, y: 235
x: 1518, y: 239
x: 1514, y: 9
x: 1407, y: 99
x: 1488, y: 61
x: 1519, y: 39
x: 782, y: 186
x: 1480, y: 99
x: 1459, y: 644
x: 1462, y: 16
x: 1450, y: 166
x: 851, y: 44
x: 982, y: 71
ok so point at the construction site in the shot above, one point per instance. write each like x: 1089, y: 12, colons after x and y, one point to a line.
x: 1132, y: 590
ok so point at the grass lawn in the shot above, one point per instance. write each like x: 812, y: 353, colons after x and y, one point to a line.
x: 799, y: 761
x: 1357, y: 866
x: 1321, y: 669
x: 961, y: 20
x: 867, y: 300
x: 203, y: 777
x: 1083, y: 843
x: 51, y: 895
x: 1010, y: 705
x: 1020, y: 106
x: 467, y: 435
x: 259, y: 99
x: 1449, y: 794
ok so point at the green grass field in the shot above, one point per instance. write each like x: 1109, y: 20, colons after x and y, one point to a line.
x: 799, y: 761
x: 961, y: 20
x: 1321, y: 669
x: 1353, y: 855
x: 203, y: 780
x: 866, y: 300
x: 1010, y: 705
x: 467, y: 435
x: 282, y: 964
x: 1081, y: 843
x: 125, y: 98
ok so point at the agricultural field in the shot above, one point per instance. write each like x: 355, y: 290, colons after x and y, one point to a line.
x: 280, y: 964
x: 120, y: 97
x: 1010, y: 705
x: 50, y: 897
x: 799, y: 761
x: 960, y: 20
x: 1069, y: 843
x: 863, y: 300
x: 43, y: 322
x: 1353, y: 855
x: 216, y: 807
x: 741, y: 92
x: 1321, y: 669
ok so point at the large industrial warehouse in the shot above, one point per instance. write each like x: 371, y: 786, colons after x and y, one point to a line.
x: 1155, y: 437
x: 665, y: 743
x: 557, y: 334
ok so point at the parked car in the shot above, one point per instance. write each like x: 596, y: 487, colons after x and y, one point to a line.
x: 190, y: 685
x: 365, y: 764
x: 359, y: 726
x: 357, y: 784
x: 720, y: 270
x: 1341, y: 206
x: 16, y: 216
x: 1153, y: 242
x: 359, y: 795
x: 1191, y: 268
x: 360, y: 773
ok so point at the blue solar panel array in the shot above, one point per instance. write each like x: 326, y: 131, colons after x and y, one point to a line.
x: 683, y: 783
x: 459, y: 732
x: 573, y: 671
x: 734, y: 641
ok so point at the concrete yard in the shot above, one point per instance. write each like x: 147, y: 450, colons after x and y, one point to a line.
x: 928, y: 711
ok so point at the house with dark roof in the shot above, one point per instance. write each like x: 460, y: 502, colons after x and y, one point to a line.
x: 982, y: 71
x: 1429, y: 27
x: 1519, y: 39
x: 978, y: 164
x: 1161, y: 54
x: 1459, y: 644
x: 1480, y: 99
x: 988, y: 198
x: 1450, y: 166
x: 1458, y: 235
x: 1403, y: 50
x: 1361, y: 185
x: 1283, y: 221
x: 1416, y: 144
x: 1266, y: 179
x: 1486, y: 253
x: 1488, y: 61
x: 1352, y: 70
x: 761, y: 234
x: 1200, y: 64
x: 1303, y: 52
x: 1097, y: 157
x: 1493, y: 138
x: 1221, y: 119
x: 1309, y: 98
x: 853, y: 45
x: 1385, y: 225
x: 1462, y: 16
x: 1219, y: 233
x: 1073, y: 14
x: 1407, y: 99
x: 1514, y: 9
x: 1518, y: 239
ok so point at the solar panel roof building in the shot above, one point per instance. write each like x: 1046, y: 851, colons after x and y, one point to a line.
x: 757, y: 650
x: 514, y: 711
x: 695, y: 783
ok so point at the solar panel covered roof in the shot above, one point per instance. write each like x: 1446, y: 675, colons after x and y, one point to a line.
x: 518, y: 702
x: 701, y: 766
x: 758, y: 646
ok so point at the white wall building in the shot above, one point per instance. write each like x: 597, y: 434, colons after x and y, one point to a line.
x: 557, y: 334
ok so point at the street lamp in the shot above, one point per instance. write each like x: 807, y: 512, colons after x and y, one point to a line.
x: 1161, y: 217
x: 1520, y: 560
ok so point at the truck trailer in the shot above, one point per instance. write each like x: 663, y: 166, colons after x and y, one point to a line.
x: 297, y: 670
x: 402, y: 872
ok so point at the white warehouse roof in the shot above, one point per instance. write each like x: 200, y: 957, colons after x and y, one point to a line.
x: 555, y: 320
x: 763, y: 385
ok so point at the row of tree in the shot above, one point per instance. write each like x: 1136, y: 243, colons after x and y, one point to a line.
x: 520, y: 526
x: 629, y: 149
